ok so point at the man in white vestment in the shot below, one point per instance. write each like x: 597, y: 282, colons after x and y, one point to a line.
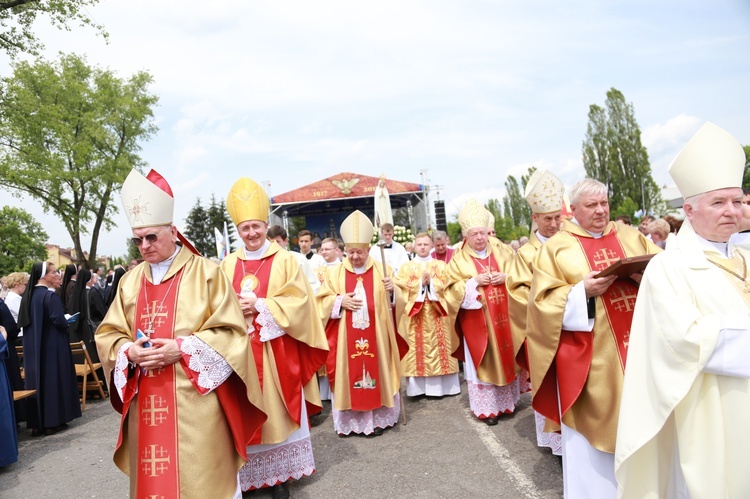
x: 279, y: 234
x: 686, y: 395
x: 395, y: 253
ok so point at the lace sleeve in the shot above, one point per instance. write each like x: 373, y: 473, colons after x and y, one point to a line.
x: 471, y: 296
x: 269, y: 330
x: 210, y: 367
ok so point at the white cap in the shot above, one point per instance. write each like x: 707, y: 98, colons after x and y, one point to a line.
x: 712, y: 159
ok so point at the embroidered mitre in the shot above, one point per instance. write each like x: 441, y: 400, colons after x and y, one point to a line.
x: 148, y: 201
x: 247, y: 201
x: 544, y: 192
x: 473, y: 215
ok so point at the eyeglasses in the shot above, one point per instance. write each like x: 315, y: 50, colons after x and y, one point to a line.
x: 150, y: 238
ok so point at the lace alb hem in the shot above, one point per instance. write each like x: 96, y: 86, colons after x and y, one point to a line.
x: 553, y: 440
x: 121, y: 368
x: 487, y: 401
x: 471, y: 296
x: 365, y: 422
x: 286, y: 461
x: 212, y: 368
x: 269, y: 330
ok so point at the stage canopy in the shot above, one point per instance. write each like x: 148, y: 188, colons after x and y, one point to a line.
x: 326, y: 203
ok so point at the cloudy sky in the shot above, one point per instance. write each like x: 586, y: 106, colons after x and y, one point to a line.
x: 290, y: 92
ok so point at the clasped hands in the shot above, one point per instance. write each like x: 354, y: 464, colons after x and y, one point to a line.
x: 247, y: 304
x: 162, y: 352
x: 349, y: 302
x: 492, y: 278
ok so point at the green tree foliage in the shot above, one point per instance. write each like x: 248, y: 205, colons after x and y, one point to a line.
x: 133, y: 253
x: 200, y: 224
x: 18, y: 16
x: 21, y: 240
x: 198, y: 229
x: 614, y: 155
x: 69, y: 135
x: 627, y: 207
x: 746, y: 177
x: 454, y: 231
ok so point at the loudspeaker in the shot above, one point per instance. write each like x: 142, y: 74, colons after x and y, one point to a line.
x: 440, y: 222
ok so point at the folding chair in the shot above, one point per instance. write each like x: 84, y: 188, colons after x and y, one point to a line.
x: 83, y: 370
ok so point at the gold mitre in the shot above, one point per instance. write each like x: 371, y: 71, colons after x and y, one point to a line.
x: 473, y: 215
x: 357, y: 230
x: 490, y: 220
x: 712, y: 159
x: 544, y: 192
x: 247, y: 201
x: 147, y: 204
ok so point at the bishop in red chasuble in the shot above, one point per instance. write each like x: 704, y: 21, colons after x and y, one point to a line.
x: 358, y: 302
x: 288, y: 345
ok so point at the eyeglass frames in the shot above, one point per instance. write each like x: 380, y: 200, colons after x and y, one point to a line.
x: 150, y: 238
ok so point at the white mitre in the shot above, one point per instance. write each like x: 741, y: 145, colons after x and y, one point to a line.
x: 145, y: 203
x: 712, y: 159
x: 357, y: 230
x: 544, y: 192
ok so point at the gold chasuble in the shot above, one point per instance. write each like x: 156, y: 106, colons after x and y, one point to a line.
x: 287, y: 364
x: 364, y: 364
x: 586, y: 368
x: 426, y: 322
x: 171, y: 427
x: 486, y: 331
x: 519, y: 284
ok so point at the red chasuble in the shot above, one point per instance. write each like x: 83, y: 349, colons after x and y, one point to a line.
x: 158, y: 472
x: 474, y: 326
x: 576, y: 348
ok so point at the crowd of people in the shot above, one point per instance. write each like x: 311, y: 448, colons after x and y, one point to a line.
x: 639, y: 381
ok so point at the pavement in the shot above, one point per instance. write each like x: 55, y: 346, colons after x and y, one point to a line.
x: 442, y: 451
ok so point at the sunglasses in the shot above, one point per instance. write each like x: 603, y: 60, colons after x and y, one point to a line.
x: 150, y: 238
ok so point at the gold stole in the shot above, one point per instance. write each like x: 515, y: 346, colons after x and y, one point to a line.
x: 158, y: 465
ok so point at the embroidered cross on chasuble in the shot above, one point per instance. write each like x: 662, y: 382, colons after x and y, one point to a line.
x: 158, y: 467
x: 494, y: 312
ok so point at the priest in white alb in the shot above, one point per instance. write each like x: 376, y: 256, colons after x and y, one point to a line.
x: 686, y: 396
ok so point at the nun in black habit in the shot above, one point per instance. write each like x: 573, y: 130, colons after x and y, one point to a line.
x: 48, y: 361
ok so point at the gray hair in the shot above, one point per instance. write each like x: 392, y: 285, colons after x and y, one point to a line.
x: 587, y: 186
x: 660, y: 227
x: 439, y: 234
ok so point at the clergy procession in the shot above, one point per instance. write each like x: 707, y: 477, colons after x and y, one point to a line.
x: 632, y: 354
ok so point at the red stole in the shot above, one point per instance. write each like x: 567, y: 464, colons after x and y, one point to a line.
x: 362, y: 346
x: 576, y: 348
x: 474, y: 326
x: 296, y: 363
x: 158, y: 451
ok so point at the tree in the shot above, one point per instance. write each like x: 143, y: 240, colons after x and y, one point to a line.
x: 69, y: 135
x: 199, y: 230
x: 132, y: 254
x: 614, y: 155
x: 746, y: 176
x: 21, y: 240
x: 217, y: 216
x: 18, y: 16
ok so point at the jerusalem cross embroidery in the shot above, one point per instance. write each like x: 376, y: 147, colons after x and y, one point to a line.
x: 621, y: 300
x: 154, y: 460
x: 604, y: 257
